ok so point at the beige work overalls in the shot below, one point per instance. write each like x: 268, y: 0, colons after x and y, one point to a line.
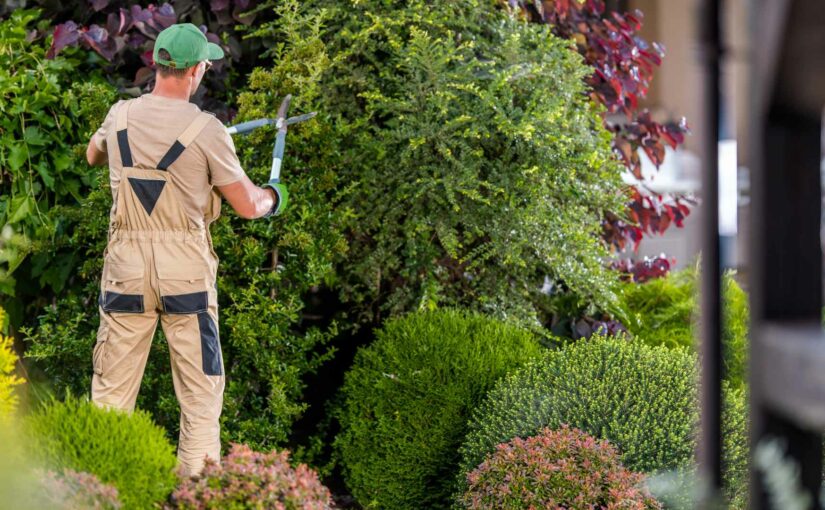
x: 159, y: 264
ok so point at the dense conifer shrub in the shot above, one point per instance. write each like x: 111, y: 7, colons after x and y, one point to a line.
x: 640, y: 398
x: 663, y: 311
x: 246, y: 479
x: 563, y: 468
x: 127, y: 451
x: 407, y: 400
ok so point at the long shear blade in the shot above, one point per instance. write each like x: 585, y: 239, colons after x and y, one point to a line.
x: 280, y: 140
x: 300, y: 118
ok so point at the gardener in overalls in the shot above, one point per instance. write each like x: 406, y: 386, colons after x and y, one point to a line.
x: 168, y: 161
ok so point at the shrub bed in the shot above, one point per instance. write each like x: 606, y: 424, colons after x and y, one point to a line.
x: 640, y: 398
x: 407, y: 400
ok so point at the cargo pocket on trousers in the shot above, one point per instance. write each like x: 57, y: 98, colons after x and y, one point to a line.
x: 99, y: 351
x: 122, y: 288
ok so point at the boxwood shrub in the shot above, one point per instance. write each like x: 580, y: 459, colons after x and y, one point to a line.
x: 127, y: 451
x: 640, y: 398
x: 407, y: 399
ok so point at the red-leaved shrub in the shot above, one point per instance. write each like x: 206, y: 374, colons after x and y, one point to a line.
x: 249, y: 479
x: 563, y: 468
x: 74, y: 490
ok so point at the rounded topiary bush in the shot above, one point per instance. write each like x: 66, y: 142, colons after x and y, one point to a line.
x: 640, y: 398
x: 127, y: 451
x: 407, y: 399
x: 248, y: 479
x: 563, y: 468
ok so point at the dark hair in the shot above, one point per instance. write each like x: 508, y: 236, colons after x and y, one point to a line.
x: 167, y: 71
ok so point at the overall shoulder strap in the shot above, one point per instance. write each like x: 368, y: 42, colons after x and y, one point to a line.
x: 121, y: 123
x: 184, y: 139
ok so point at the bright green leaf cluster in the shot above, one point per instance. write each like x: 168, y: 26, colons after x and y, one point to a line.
x: 8, y: 379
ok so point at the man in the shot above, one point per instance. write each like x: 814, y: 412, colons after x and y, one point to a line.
x: 166, y: 157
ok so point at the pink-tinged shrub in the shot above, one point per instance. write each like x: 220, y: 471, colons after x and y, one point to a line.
x: 248, y: 479
x: 73, y: 490
x: 563, y: 468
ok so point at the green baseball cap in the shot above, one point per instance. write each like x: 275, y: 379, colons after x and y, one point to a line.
x: 186, y: 45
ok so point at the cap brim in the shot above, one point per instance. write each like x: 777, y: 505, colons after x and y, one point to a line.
x: 213, y: 51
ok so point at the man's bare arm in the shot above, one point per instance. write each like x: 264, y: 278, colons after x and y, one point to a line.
x: 94, y: 156
x: 248, y: 200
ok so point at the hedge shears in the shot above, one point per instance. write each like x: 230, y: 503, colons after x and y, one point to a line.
x: 281, y: 122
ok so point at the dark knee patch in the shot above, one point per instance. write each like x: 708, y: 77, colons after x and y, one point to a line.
x: 115, y: 302
x: 196, y: 302
x: 210, y: 345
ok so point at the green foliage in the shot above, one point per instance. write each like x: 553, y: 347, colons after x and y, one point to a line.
x: 735, y: 443
x: 44, y: 119
x: 640, y: 398
x: 407, y: 399
x: 506, y: 168
x: 555, y: 469
x: 663, y: 311
x: 269, y: 270
x: 127, y: 451
x: 480, y: 165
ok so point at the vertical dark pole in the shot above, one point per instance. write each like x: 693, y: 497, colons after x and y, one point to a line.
x: 710, y: 443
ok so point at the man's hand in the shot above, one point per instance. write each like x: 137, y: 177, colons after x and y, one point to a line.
x: 95, y: 156
x: 248, y: 200
x: 281, y: 193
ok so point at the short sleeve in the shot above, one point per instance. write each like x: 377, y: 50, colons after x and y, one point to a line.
x: 224, y: 166
x: 99, y: 138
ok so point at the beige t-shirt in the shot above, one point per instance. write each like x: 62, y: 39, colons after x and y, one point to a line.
x: 153, y: 125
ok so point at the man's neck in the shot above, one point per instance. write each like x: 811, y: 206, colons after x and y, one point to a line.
x: 173, y: 92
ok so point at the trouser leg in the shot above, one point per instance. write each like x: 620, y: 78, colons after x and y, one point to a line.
x: 197, y: 373
x: 119, y: 357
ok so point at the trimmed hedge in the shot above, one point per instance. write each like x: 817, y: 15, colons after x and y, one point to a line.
x: 127, y: 451
x: 640, y: 398
x: 407, y: 399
